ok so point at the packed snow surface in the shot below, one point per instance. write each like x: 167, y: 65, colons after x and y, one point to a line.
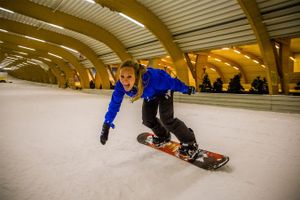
x: 50, y: 149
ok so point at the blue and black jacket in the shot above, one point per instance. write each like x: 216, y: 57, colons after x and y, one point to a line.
x: 156, y: 83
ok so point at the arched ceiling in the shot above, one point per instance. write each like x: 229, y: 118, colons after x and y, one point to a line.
x: 192, y: 26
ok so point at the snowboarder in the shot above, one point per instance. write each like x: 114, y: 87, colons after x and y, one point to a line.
x: 156, y: 87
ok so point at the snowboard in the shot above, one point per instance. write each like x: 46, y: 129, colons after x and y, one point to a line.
x: 204, y: 159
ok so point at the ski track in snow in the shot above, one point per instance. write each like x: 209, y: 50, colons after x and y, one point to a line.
x: 50, y: 149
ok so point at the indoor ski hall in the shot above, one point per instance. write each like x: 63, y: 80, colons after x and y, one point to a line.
x: 215, y: 83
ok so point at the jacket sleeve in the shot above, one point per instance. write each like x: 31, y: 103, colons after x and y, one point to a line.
x: 166, y: 82
x: 115, y: 104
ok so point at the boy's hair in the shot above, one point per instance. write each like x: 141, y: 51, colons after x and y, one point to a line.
x: 139, y: 72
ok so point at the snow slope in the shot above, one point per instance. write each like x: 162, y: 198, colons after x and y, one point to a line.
x: 50, y: 149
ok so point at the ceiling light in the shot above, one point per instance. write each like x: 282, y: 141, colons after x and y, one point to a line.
x: 18, y: 56
x: 47, y: 59
x: 130, y: 19
x: 255, y: 61
x: 56, y: 26
x: 225, y: 48
x: 1, y: 41
x: 2, y: 30
x: 246, y: 56
x: 20, y: 52
x: 26, y: 48
x: 212, y: 69
x: 31, y: 62
x: 217, y: 59
x: 293, y: 59
x: 11, y: 58
x: 237, y: 51
x: 51, y: 54
x: 68, y: 48
x: 6, y: 10
x: 227, y: 63
x: 36, y: 60
x: 22, y: 64
x: 90, y: 1
x: 263, y: 66
x: 7, y: 69
x: 236, y: 68
x: 32, y: 38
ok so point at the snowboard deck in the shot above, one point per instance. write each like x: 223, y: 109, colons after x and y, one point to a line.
x: 205, y: 159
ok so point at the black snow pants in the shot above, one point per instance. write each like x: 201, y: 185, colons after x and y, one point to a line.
x: 167, y: 123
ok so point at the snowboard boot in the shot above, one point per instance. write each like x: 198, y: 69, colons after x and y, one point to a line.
x: 160, y: 141
x: 188, y: 151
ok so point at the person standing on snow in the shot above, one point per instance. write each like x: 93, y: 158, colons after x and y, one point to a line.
x: 156, y: 87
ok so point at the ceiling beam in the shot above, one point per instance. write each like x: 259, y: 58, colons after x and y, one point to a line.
x: 59, y: 39
x: 16, y: 62
x: 67, y: 21
x: 250, y: 55
x: 32, y: 75
x: 63, y: 69
x: 84, y: 79
x: 37, y: 72
x: 52, y: 66
x: 21, y: 74
x: 218, y: 71
x: 232, y: 64
x: 267, y: 49
x: 140, y: 13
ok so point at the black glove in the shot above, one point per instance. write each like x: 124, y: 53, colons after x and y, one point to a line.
x: 191, y: 90
x: 104, y: 133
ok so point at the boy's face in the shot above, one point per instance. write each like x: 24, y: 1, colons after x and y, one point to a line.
x: 127, y: 78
